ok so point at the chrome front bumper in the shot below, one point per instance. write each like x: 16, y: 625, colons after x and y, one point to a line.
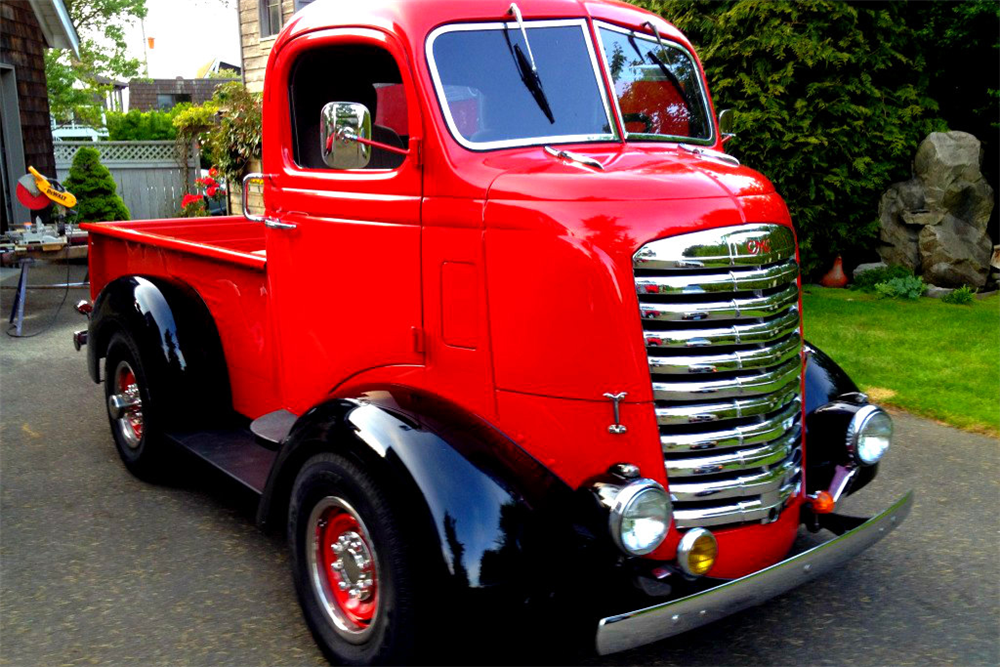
x: 635, y: 628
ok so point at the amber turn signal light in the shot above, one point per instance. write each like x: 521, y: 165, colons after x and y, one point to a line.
x: 822, y: 502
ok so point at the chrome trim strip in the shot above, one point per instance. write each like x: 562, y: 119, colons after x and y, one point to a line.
x: 614, y: 96
x: 741, y: 360
x: 642, y: 626
x: 737, y: 334
x: 738, y: 487
x: 747, y: 385
x: 743, y: 511
x: 741, y: 459
x: 738, y: 436
x: 527, y: 141
x: 734, y: 309
x: 749, y: 245
x: 680, y: 415
x: 735, y: 280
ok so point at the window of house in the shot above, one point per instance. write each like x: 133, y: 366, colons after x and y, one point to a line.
x: 165, y: 101
x: 270, y: 17
x: 377, y: 85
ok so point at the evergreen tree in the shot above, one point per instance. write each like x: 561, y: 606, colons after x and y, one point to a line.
x: 832, y: 99
x: 95, y: 189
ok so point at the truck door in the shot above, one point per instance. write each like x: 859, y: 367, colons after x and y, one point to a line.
x: 345, y: 280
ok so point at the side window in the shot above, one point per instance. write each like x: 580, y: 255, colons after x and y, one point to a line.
x: 351, y: 73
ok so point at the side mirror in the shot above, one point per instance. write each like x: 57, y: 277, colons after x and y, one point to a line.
x: 727, y: 117
x: 341, y: 125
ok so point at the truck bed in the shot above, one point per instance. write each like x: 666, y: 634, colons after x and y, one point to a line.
x: 221, y: 258
x: 229, y: 239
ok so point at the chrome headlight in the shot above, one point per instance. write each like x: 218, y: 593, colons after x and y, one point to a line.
x: 869, y: 434
x: 640, y: 517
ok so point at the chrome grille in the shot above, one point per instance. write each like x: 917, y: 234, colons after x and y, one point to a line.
x: 722, y: 332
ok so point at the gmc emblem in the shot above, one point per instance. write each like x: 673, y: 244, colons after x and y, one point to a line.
x: 759, y: 246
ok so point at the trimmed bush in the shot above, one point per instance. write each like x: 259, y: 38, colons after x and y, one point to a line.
x: 95, y: 189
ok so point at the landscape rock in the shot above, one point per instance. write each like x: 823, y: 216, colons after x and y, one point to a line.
x: 954, y: 253
x: 936, y: 223
x: 935, y: 292
x: 922, y: 218
x: 871, y: 266
x: 946, y: 162
x: 899, y: 240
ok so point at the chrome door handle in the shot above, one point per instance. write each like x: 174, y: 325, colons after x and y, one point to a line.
x: 278, y: 224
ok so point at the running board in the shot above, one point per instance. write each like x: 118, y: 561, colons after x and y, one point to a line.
x: 233, y: 451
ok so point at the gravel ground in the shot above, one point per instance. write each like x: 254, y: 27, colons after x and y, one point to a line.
x: 97, y: 567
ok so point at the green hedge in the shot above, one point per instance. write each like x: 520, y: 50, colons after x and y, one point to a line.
x: 143, y: 125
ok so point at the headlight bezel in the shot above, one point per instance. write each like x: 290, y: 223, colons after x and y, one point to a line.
x: 856, y: 428
x: 626, y: 498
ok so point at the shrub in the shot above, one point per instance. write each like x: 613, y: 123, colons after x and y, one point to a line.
x: 831, y: 99
x: 142, y: 125
x: 963, y: 296
x: 193, y: 206
x: 867, y: 281
x: 95, y: 189
x: 910, y: 287
x: 237, y: 139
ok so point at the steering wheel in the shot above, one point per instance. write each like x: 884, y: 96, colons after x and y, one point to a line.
x: 639, y: 117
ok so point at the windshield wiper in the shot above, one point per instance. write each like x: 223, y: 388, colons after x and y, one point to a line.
x: 670, y: 76
x: 526, y: 66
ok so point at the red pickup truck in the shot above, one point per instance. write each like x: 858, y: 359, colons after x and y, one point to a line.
x: 515, y: 346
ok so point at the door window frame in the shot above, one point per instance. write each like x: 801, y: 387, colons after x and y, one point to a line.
x: 279, y: 160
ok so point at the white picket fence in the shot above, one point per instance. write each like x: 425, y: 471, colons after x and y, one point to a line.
x: 149, y: 174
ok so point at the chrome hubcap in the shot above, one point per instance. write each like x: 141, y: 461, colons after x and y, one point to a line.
x: 125, y: 405
x: 353, y: 565
x: 343, y: 568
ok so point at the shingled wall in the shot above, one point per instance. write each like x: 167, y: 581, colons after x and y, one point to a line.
x: 22, y: 45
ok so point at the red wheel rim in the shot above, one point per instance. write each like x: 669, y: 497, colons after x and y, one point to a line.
x: 127, y: 384
x: 125, y: 405
x: 344, y: 561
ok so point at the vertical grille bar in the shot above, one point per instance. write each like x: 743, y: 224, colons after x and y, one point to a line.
x: 722, y: 332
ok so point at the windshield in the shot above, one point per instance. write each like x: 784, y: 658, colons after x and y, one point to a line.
x: 491, y: 99
x: 659, y: 90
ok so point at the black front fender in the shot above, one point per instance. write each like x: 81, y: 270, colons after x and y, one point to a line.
x: 829, y: 397
x: 498, y: 525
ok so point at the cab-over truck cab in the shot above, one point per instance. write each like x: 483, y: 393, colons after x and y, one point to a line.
x: 514, y: 345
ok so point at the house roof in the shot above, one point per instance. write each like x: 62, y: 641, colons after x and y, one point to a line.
x: 53, y: 17
x: 215, y: 65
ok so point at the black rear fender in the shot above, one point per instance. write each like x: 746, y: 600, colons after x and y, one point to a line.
x: 177, y: 339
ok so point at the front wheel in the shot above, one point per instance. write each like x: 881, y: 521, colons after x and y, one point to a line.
x: 352, y: 565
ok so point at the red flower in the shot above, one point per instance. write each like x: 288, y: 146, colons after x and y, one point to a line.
x: 213, y: 172
x: 212, y: 190
x: 190, y: 199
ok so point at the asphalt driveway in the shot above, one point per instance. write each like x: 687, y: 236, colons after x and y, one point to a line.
x: 97, y: 567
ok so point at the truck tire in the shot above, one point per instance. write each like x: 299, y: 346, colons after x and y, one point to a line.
x: 351, y: 564
x: 133, y: 416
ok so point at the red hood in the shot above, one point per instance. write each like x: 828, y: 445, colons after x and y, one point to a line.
x: 635, y: 174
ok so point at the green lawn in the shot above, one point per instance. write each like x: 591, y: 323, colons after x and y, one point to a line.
x: 926, y: 357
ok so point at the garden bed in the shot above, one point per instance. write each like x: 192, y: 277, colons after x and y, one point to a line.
x: 927, y: 357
